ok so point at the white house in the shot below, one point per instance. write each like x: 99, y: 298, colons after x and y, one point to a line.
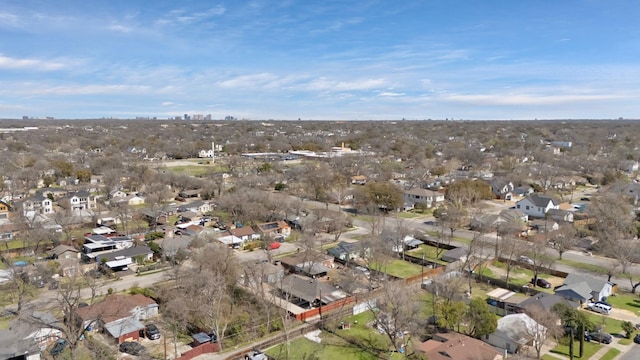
x: 430, y: 197
x: 536, y: 205
x: 516, y: 331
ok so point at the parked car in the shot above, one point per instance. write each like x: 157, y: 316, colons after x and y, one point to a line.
x: 599, y: 308
x: 599, y: 336
x: 132, y: 348
x: 255, y: 355
x: 526, y: 260
x: 58, y: 347
x: 273, y: 246
x: 636, y: 339
x: 151, y: 332
x: 542, y: 283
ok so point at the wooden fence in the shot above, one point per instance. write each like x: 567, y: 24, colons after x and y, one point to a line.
x: 205, y: 348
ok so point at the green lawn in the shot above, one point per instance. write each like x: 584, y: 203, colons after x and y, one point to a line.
x: 625, y: 341
x: 590, y: 348
x: 407, y: 215
x: 429, y: 253
x: 611, y: 354
x: 549, y: 357
x: 625, y: 301
x: 609, y: 325
x: 456, y: 238
x: 358, y: 343
x: 399, y: 268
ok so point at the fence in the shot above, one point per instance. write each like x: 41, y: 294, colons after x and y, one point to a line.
x: 326, y: 308
x: 199, y: 350
x: 427, y: 274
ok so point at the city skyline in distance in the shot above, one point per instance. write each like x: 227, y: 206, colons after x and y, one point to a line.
x: 363, y: 60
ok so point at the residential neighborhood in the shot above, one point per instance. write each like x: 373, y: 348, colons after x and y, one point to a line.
x: 244, y: 252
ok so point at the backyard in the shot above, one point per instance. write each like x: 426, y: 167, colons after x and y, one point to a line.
x: 398, y: 268
x: 359, y: 342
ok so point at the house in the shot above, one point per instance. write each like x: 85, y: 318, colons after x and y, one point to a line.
x: 536, y: 205
x: 454, y: 255
x: 43, y: 335
x: 582, y: 288
x: 186, y: 194
x: 131, y: 200
x: 428, y: 197
x: 273, y: 228
x: 200, y: 206
x: 314, y: 265
x: 407, y: 243
x: 115, y: 194
x: 522, y: 191
x: 5, y: 208
x: 502, y: 188
x: 493, y: 221
x: 121, y: 259
x: 359, y: 180
x: 307, y: 292
x: 560, y: 215
x: 79, y: 201
x: 64, y: 252
x: 545, y: 301
x: 262, y: 272
x: 119, y: 316
x: 238, y: 236
x: 452, y: 345
x: 514, y: 332
x: 346, y: 251
x: 37, y: 204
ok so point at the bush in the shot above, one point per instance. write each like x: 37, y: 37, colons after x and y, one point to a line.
x: 628, y: 328
x: 280, y: 186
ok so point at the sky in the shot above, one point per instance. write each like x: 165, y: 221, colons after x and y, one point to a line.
x: 321, y: 59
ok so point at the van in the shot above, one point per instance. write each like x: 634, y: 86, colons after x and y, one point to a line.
x: 600, y: 308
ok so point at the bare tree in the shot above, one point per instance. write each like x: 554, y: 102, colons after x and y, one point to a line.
x: 546, y: 326
x: 563, y: 239
x: 395, y: 315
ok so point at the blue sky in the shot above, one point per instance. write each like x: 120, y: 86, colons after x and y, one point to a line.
x: 321, y: 59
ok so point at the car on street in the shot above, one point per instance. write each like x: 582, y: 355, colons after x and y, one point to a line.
x: 526, y: 260
x: 132, y: 348
x: 599, y: 336
x: 636, y: 339
x: 151, y: 332
x: 542, y: 283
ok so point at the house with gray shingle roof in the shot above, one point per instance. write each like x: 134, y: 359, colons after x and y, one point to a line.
x: 536, y: 205
x: 583, y: 288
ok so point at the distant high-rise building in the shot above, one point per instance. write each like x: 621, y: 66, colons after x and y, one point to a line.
x: 208, y: 117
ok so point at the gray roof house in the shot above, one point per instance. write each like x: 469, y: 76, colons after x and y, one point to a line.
x: 303, y: 290
x: 582, y: 288
x: 536, y: 205
x: 454, y: 255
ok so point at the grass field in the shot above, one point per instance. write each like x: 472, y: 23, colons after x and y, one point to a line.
x: 193, y: 170
x: 589, y: 349
x: 456, y: 238
x: 430, y: 253
x: 399, y: 268
x: 549, y: 357
x: 625, y: 301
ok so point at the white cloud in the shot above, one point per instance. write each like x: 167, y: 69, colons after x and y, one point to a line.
x: 168, y: 103
x: 325, y: 84
x: 9, y: 19
x: 33, y: 64
x: 528, y: 99
x: 248, y: 81
x: 120, y: 28
x: 391, y: 94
